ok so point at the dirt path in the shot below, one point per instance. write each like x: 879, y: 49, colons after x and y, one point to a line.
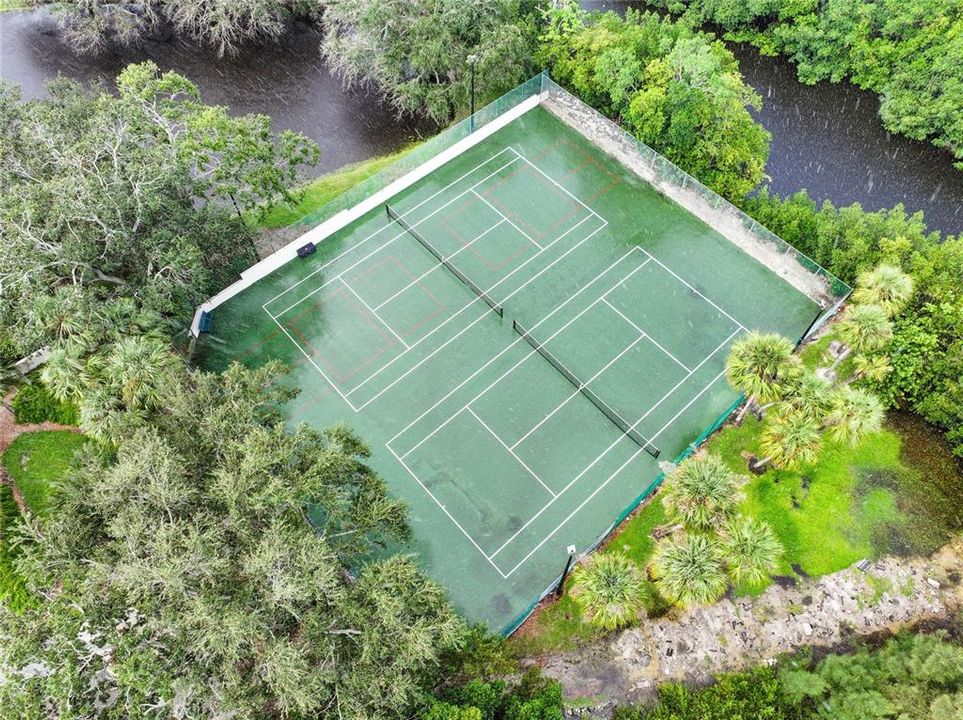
x: 734, y: 634
x: 9, y: 430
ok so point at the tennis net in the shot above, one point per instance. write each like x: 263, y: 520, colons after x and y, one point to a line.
x: 603, y: 406
x: 444, y: 261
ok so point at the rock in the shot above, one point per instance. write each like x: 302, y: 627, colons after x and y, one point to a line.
x: 697, y: 644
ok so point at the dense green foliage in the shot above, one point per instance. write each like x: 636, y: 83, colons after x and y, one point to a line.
x: 531, y: 698
x: 33, y: 403
x: 132, y: 195
x: 13, y: 590
x: 35, y: 462
x: 179, y: 572
x: 754, y: 695
x: 908, y: 52
x: 926, y: 352
x: 676, y: 89
x: 97, y: 25
x: 416, y: 53
x: 912, y: 677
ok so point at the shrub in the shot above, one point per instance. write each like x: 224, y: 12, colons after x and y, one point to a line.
x: 609, y: 590
x: 13, y: 592
x: 690, y: 570
x: 754, y: 695
x: 33, y: 403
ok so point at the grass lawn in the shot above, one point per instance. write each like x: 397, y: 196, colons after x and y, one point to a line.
x: 34, y: 461
x: 824, y: 515
x: 324, y: 189
x: 14, y: 4
x: 897, y: 492
x: 37, y: 459
x: 559, y: 625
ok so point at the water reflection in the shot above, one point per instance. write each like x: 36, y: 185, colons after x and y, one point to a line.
x: 826, y: 138
x: 285, y: 80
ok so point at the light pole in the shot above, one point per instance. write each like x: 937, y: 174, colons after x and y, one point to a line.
x: 472, y: 60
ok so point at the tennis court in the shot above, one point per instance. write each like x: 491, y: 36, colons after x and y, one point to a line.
x: 521, y: 336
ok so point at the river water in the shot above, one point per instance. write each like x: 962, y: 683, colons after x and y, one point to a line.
x: 825, y: 137
x: 285, y: 80
x: 828, y: 139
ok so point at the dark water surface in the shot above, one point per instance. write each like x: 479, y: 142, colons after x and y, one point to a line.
x: 825, y: 138
x: 828, y: 139
x: 286, y: 80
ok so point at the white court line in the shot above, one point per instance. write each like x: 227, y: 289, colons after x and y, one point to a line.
x: 614, y: 443
x: 390, y: 223
x: 588, y: 382
x: 472, y: 303
x: 651, y: 339
x: 506, y: 218
x: 479, y: 318
x: 510, y: 451
x: 372, y: 311
x: 402, y: 233
x: 556, y: 183
x: 684, y: 282
x: 600, y: 487
x: 445, y: 510
x: 311, y: 360
x: 517, y: 340
x: 436, y: 267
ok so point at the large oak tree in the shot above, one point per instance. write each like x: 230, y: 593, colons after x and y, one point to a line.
x: 178, y: 576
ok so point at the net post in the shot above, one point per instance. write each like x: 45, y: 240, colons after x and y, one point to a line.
x: 560, y: 588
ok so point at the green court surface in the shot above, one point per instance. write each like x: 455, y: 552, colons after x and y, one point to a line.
x: 503, y: 459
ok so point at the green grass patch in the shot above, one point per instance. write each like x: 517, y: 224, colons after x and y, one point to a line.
x: 324, y: 189
x: 821, y: 516
x: 33, y: 403
x: 865, y: 501
x: 15, y: 4
x: 35, y: 461
x: 560, y: 625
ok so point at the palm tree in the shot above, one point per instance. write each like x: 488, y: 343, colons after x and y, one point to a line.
x: 63, y: 313
x: 789, y: 439
x: 690, y: 570
x: 139, y: 366
x: 761, y: 367
x: 886, y: 286
x: 810, y: 396
x: 864, y: 328
x: 104, y: 417
x: 854, y: 413
x: 751, y: 550
x: 870, y: 367
x: 609, y: 589
x: 702, y: 492
x: 65, y: 373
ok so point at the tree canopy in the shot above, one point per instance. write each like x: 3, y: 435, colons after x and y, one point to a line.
x: 179, y: 575
x: 95, y: 25
x: 134, y: 194
x: 416, y: 53
x: 676, y: 89
x: 908, y: 52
